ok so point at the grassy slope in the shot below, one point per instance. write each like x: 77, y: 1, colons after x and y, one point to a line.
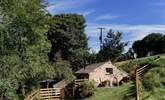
x: 118, y: 93
x: 115, y: 93
x: 154, y: 82
x: 144, y: 58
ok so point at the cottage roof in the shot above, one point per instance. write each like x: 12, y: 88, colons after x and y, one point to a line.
x: 60, y: 84
x: 90, y: 68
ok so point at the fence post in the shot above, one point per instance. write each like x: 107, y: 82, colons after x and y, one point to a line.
x: 74, y: 88
x: 137, y: 86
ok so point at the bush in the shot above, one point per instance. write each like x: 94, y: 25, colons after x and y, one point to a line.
x: 86, y: 89
x: 153, y: 82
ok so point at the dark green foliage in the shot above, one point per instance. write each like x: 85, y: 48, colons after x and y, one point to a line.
x: 78, y: 59
x: 112, y: 47
x: 128, y: 55
x: 24, y: 77
x: 150, y: 45
x: 7, y: 90
x: 68, y: 38
x: 63, y: 70
x: 24, y: 47
x: 86, y: 89
x: 139, y: 48
x: 92, y: 58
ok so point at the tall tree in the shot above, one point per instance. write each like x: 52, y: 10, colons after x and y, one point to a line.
x: 139, y: 48
x: 112, y: 47
x: 68, y: 38
x: 150, y: 45
x: 24, y: 47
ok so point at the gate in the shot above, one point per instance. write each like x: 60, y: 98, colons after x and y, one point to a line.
x: 50, y: 93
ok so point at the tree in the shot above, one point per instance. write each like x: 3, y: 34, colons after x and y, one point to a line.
x: 153, y: 41
x: 128, y: 55
x: 112, y: 47
x: 86, y: 89
x: 139, y: 48
x: 22, y: 28
x: 68, y: 38
x: 24, y: 47
x: 149, y: 45
x: 163, y: 42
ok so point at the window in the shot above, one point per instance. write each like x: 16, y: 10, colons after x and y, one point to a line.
x: 109, y: 70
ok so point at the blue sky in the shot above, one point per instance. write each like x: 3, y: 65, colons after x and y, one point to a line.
x: 135, y: 18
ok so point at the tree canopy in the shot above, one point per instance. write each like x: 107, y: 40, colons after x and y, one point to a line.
x: 68, y: 39
x: 112, y: 47
x: 24, y: 47
x: 151, y: 44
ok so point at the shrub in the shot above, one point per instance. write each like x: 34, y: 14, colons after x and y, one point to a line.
x: 86, y: 89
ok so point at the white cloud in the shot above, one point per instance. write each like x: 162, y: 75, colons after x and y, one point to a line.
x: 130, y: 32
x: 106, y: 17
x: 64, y: 5
x: 136, y: 31
x: 85, y: 13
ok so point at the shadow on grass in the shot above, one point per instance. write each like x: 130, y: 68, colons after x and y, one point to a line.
x: 131, y: 92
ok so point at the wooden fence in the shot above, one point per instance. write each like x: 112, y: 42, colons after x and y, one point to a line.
x: 50, y: 93
x: 139, y: 72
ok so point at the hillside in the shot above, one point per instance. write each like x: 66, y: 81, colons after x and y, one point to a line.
x: 152, y: 83
x: 115, y: 93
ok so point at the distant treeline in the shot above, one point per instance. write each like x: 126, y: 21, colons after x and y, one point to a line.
x: 151, y: 44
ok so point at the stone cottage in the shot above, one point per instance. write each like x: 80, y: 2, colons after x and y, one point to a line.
x: 102, y: 73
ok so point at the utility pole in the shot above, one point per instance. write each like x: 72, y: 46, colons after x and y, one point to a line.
x: 101, y: 37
